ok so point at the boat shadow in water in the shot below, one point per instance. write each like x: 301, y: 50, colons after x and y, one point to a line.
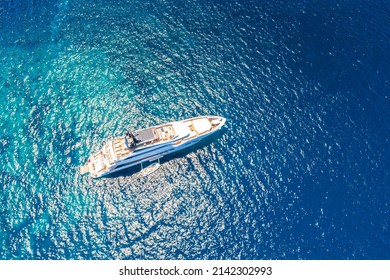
x: 131, y: 171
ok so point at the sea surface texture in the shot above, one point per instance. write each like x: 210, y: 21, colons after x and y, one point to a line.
x: 300, y: 170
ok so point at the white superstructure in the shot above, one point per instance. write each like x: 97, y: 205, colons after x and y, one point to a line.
x: 150, y: 144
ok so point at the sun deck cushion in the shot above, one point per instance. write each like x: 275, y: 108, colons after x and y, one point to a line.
x: 202, y: 125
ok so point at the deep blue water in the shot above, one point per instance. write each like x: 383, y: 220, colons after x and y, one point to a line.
x: 301, y: 170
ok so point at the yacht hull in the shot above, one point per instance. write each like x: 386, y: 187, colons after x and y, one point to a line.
x: 196, y: 129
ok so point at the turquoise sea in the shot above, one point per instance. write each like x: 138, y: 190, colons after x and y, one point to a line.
x: 300, y: 171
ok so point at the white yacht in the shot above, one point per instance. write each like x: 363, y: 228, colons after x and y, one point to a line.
x: 150, y: 144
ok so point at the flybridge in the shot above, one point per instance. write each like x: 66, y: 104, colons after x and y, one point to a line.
x: 143, y: 136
